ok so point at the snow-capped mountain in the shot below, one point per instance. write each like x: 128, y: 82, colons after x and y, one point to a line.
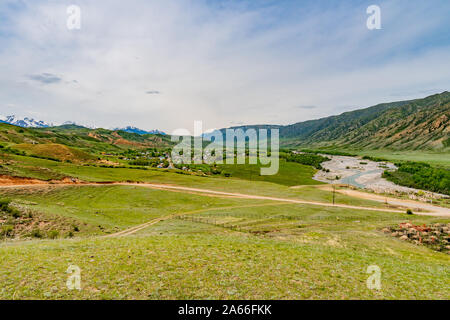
x: 139, y: 131
x: 24, y: 122
x: 32, y: 123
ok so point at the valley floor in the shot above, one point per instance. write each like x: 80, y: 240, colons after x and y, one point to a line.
x: 167, y: 235
x: 168, y: 242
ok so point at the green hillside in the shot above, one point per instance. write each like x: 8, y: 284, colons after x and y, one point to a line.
x: 327, y: 129
x: 88, y: 140
x: 421, y: 124
x: 406, y: 125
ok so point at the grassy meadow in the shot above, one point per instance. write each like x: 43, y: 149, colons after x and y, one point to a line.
x: 441, y: 159
x: 205, y: 246
x: 271, y: 252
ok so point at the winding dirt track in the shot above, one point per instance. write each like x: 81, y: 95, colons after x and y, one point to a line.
x: 420, y: 208
x: 439, y: 211
x: 140, y: 227
x: 431, y: 210
x: 428, y: 209
x: 254, y: 197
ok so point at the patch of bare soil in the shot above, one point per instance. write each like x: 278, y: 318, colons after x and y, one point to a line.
x: 6, y: 180
x: 108, y: 162
x: 10, y: 180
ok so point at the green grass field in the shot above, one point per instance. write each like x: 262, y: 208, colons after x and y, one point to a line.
x: 306, y: 254
x: 215, y: 247
x: 113, y: 208
x: 433, y: 158
x: 289, y: 173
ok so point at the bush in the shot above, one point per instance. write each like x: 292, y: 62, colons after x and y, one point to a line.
x: 140, y: 163
x: 409, y: 211
x: 4, y: 204
x: 7, y: 230
x: 14, y: 212
x: 5, y: 207
x: 308, y: 159
x: 53, y: 234
x: 376, y: 159
x: 330, y: 152
x: 36, y: 233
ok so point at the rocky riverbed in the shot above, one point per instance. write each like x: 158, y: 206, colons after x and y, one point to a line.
x: 366, y: 174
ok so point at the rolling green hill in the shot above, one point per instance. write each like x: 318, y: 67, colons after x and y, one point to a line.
x: 421, y: 124
x: 406, y: 125
x: 327, y: 129
x: 55, y: 151
x: 85, y: 139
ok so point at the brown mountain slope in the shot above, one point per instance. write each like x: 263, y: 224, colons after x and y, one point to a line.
x: 424, y: 124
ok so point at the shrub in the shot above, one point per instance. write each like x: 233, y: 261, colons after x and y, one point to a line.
x: 308, y: 159
x: 376, y: 159
x: 5, y: 207
x: 4, y: 204
x: 330, y: 152
x: 14, y: 212
x: 53, y: 234
x: 409, y: 211
x: 7, y: 230
x: 36, y: 233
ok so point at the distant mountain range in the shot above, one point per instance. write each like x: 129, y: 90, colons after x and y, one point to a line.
x: 139, y: 131
x: 402, y: 125
x: 24, y: 122
x: 32, y: 123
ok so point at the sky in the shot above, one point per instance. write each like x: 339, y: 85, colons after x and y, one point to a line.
x: 164, y: 64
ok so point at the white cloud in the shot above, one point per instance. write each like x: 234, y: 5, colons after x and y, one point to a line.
x: 221, y: 64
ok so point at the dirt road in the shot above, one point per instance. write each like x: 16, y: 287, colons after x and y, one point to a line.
x: 432, y: 210
x: 416, y: 206
x: 254, y: 197
x: 140, y: 227
x: 428, y: 209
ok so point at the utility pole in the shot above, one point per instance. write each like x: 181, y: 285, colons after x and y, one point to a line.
x: 334, y: 192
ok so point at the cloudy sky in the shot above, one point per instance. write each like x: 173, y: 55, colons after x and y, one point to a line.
x: 163, y: 64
